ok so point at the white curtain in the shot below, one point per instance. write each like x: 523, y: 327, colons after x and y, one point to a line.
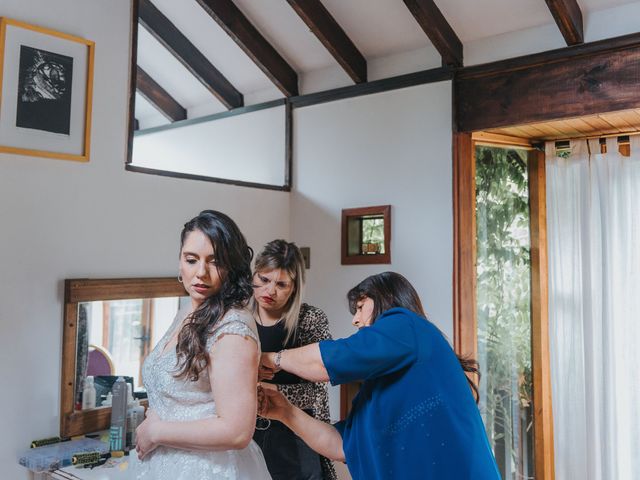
x: 593, y: 220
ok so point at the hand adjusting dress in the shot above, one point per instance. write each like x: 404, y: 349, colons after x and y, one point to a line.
x: 179, y: 399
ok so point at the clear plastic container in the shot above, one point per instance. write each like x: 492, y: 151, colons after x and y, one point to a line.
x: 58, y: 455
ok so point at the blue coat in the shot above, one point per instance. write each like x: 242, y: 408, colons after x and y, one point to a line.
x: 415, y: 416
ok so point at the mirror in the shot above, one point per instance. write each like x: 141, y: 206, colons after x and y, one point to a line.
x: 110, y: 326
x: 366, y: 235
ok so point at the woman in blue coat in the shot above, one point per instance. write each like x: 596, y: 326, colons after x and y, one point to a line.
x: 414, y: 417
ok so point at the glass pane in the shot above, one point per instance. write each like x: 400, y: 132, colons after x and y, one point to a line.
x: 504, y: 315
x: 125, y: 335
x: 372, y: 235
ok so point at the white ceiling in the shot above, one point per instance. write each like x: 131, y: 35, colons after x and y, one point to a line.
x: 378, y: 28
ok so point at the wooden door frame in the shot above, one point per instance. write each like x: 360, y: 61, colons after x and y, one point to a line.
x: 465, y: 260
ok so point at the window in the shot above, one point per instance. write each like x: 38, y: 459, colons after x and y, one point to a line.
x: 503, y: 307
x: 500, y: 295
x: 366, y: 235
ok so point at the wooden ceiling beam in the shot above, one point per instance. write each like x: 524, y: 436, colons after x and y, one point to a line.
x: 159, y: 97
x: 332, y: 36
x: 570, y: 82
x: 242, y: 31
x: 431, y: 20
x: 175, y: 42
x: 568, y: 17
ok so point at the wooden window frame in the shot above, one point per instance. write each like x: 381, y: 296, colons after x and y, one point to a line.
x: 465, y: 260
x: 349, y: 213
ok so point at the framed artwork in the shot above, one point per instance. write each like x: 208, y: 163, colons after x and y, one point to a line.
x: 46, y: 87
x: 366, y: 235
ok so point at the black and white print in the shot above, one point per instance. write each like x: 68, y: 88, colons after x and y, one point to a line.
x: 44, y: 91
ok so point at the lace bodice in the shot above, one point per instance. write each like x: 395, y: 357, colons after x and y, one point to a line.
x: 180, y: 399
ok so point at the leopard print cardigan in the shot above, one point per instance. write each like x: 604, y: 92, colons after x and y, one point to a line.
x: 313, y: 326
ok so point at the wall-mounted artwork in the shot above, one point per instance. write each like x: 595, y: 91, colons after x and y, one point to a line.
x: 46, y: 83
x: 366, y: 235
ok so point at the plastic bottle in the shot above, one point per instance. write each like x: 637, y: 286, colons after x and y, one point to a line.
x: 88, y: 394
x: 135, y: 416
x: 118, y: 430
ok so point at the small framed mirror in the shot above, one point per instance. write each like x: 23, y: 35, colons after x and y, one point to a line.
x: 110, y: 326
x: 366, y: 235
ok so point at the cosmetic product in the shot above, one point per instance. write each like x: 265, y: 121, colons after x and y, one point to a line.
x: 118, y: 415
x: 135, y: 416
x: 88, y: 394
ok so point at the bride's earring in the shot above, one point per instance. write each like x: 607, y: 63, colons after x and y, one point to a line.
x: 180, y: 278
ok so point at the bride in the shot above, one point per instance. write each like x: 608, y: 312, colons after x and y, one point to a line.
x: 201, y: 377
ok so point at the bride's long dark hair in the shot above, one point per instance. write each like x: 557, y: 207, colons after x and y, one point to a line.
x: 233, y: 258
x: 389, y: 290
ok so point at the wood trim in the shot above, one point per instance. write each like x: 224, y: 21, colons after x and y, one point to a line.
x: 442, y: 36
x: 288, y: 144
x: 159, y: 97
x: 186, y: 53
x: 498, y: 139
x: 68, y: 373
x: 568, y: 17
x: 214, y: 116
x: 85, y: 290
x: 465, y: 336
x: 543, y: 415
x: 133, y: 123
x: 189, y: 176
x: 250, y: 40
x: 384, y: 258
x: 377, y: 86
x: 333, y: 37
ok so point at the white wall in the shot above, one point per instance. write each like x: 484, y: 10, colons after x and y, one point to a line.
x: 211, y: 147
x: 388, y: 148
x: 598, y: 24
x: 63, y: 220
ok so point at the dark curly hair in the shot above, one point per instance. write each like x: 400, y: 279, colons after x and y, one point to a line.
x: 233, y: 258
x: 389, y: 290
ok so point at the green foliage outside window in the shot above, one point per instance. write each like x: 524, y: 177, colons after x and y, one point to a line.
x: 373, y: 233
x: 504, y: 319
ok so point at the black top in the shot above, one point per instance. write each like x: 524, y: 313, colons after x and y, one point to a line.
x: 272, y: 340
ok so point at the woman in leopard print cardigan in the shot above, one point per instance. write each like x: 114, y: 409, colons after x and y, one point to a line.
x: 285, y: 322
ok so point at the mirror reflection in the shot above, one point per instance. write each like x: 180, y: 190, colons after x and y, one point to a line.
x: 114, y: 337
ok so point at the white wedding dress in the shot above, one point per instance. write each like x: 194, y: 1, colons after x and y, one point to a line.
x: 178, y: 399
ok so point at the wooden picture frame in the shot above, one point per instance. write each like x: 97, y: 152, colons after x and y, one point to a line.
x: 354, y: 250
x: 46, y: 90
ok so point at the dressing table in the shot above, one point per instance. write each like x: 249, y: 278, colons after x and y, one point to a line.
x: 123, y: 468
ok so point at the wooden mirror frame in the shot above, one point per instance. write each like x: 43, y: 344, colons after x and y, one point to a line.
x: 357, y: 213
x: 78, y: 422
